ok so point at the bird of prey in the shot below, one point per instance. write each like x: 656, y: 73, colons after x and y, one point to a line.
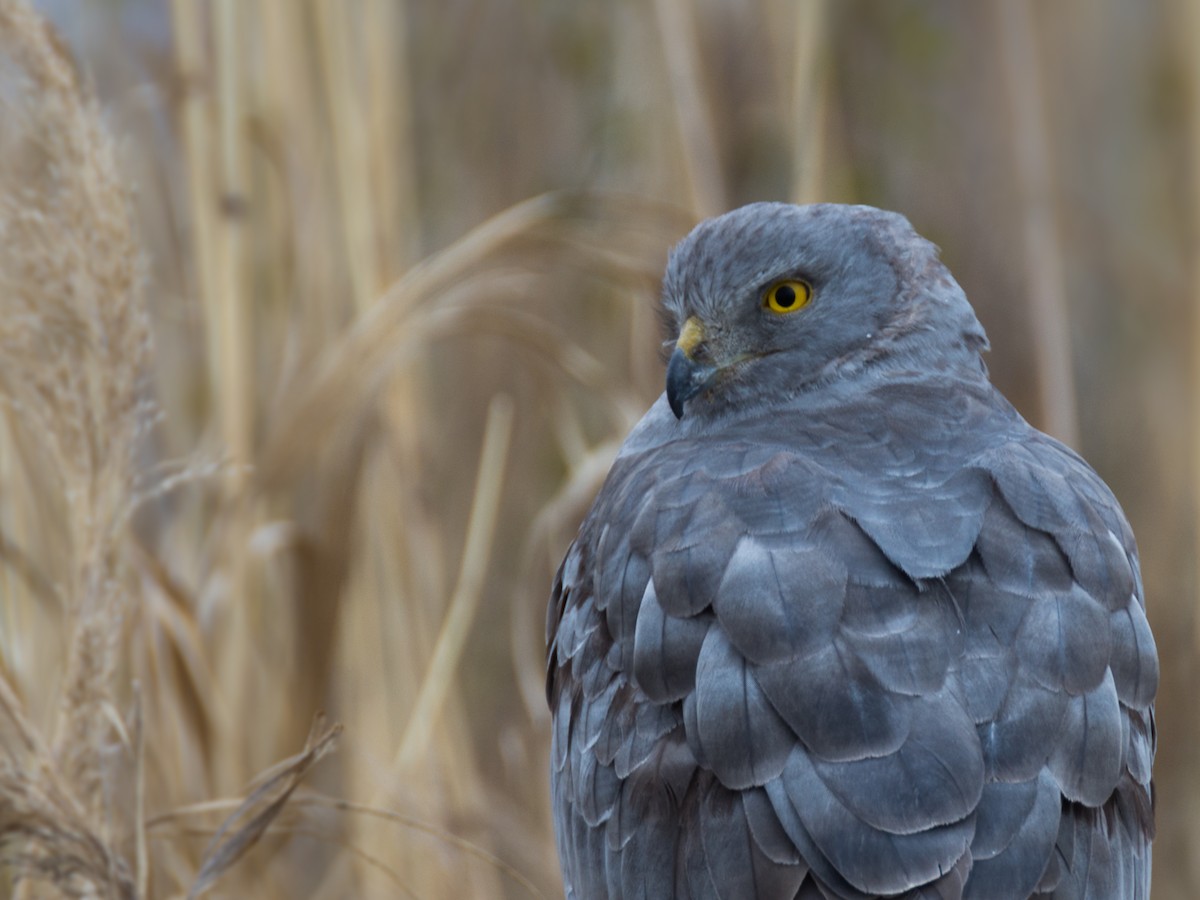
x: 840, y: 623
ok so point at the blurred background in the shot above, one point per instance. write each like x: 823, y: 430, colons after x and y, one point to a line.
x: 400, y: 269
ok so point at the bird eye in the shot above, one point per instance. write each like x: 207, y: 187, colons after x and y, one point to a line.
x: 787, y: 296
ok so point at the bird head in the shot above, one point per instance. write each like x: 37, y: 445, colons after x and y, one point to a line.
x: 772, y: 299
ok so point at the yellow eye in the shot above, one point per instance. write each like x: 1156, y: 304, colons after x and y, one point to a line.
x: 787, y: 296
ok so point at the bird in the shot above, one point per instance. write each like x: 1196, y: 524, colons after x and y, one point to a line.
x: 840, y: 623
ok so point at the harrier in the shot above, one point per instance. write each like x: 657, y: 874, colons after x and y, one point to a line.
x: 840, y: 623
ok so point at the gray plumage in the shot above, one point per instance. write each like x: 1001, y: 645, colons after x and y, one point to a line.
x: 849, y: 627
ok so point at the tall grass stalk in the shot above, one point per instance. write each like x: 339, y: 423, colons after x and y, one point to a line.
x: 1044, y: 277
x: 809, y: 98
x: 697, y: 137
x: 74, y: 352
x: 460, y: 614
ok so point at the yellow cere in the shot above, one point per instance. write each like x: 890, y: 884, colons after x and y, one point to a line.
x: 690, y: 336
x: 787, y: 296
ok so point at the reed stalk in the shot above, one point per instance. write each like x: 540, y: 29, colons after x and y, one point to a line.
x: 1044, y: 279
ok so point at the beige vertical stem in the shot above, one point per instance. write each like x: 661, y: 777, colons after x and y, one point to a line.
x: 195, y: 110
x: 228, y: 309
x: 1191, y: 23
x: 808, y: 101
x: 697, y: 135
x: 481, y: 528
x: 1043, y: 251
x: 229, y: 317
x: 141, y: 850
x: 345, y: 97
x: 393, y: 156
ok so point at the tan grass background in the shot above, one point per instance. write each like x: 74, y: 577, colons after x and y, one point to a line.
x: 320, y: 322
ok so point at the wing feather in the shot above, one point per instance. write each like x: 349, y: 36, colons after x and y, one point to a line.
x: 737, y: 733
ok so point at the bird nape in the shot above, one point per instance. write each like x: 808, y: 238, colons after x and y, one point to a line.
x: 840, y: 623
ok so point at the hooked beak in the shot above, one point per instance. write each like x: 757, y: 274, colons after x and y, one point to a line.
x: 686, y: 377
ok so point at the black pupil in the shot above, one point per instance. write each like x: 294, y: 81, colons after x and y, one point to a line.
x: 785, y: 296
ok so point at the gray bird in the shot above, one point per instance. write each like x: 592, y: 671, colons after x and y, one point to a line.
x: 840, y: 623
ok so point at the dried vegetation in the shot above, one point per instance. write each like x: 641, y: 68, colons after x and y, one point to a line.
x: 397, y: 262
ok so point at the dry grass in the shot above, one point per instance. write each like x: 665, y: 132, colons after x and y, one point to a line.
x: 74, y: 349
x: 219, y: 597
x: 397, y: 261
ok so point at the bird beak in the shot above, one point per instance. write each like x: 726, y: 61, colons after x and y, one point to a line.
x: 686, y: 376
